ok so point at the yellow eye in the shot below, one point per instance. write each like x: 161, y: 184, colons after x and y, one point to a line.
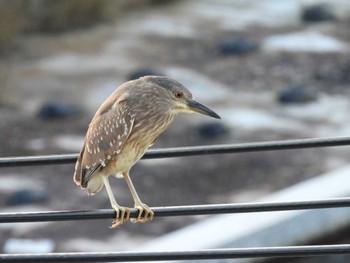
x: 179, y: 94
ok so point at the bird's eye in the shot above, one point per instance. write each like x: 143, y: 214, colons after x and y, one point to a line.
x: 179, y: 94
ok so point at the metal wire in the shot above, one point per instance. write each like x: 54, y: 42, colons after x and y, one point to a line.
x: 188, y: 151
x: 230, y: 253
x: 292, y: 251
x: 176, y: 210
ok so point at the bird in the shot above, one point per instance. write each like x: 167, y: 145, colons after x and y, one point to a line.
x: 127, y: 123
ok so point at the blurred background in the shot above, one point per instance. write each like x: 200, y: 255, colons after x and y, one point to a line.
x: 272, y: 69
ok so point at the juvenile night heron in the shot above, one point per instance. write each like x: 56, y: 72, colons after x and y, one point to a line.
x: 123, y: 128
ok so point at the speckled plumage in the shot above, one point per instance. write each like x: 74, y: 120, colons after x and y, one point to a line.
x: 123, y: 128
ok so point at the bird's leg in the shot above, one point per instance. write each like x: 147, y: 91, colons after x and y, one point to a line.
x: 122, y: 213
x: 143, y: 208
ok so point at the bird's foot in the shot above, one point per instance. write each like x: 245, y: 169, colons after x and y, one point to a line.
x: 122, y: 215
x: 145, y: 213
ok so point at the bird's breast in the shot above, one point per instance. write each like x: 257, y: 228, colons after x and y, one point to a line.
x: 140, y: 139
x: 128, y: 156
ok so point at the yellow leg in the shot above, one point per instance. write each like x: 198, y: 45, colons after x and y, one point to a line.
x: 122, y: 213
x: 145, y: 213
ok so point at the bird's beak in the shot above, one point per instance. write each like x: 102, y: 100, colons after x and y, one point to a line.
x: 200, y: 108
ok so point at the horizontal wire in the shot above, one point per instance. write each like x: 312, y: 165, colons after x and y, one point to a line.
x: 188, y: 151
x: 181, y: 210
x: 203, y: 254
x: 175, y: 210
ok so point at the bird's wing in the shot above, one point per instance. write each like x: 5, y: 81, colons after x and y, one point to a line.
x: 108, y: 130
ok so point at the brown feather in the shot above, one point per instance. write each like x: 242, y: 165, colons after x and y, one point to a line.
x: 108, y: 130
x: 77, y: 173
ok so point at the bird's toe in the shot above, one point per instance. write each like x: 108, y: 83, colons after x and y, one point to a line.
x: 122, y: 215
x: 145, y: 214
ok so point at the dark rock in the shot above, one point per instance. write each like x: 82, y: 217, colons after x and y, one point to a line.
x: 295, y: 95
x: 318, y: 13
x: 58, y: 110
x: 143, y: 72
x: 238, y: 46
x: 211, y: 130
x: 27, y: 196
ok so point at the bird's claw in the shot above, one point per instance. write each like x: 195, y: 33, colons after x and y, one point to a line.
x: 122, y: 215
x: 145, y: 214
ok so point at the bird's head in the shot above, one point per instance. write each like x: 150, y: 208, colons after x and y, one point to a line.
x: 175, y: 97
